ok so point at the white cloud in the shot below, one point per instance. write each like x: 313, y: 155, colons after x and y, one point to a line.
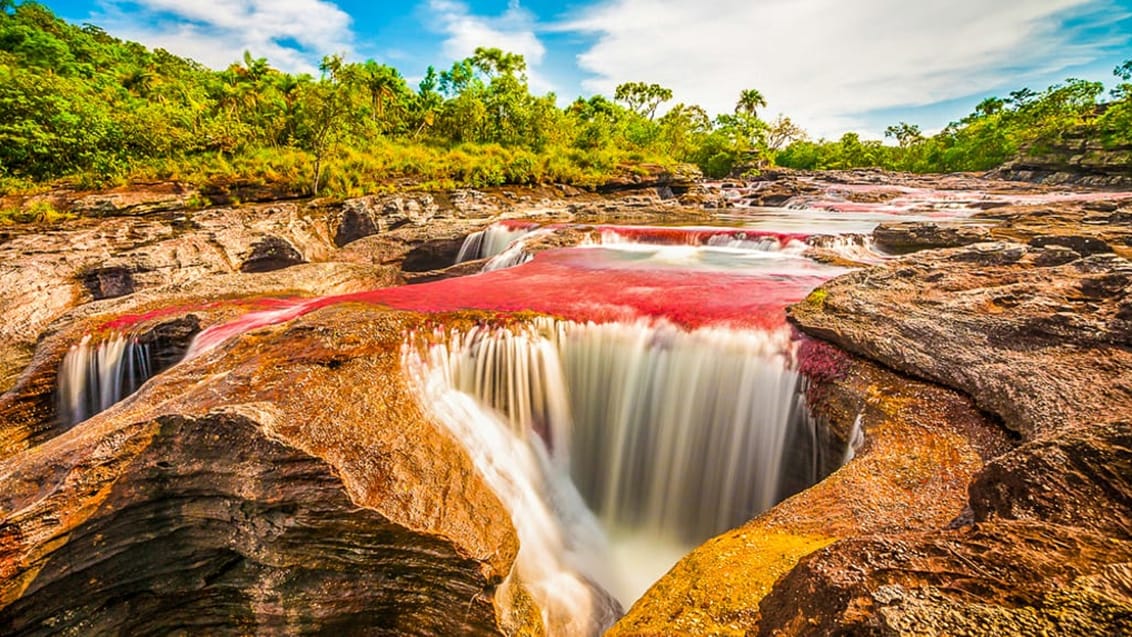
x: 827, y: 62
x: 512, y: 31
x: 292, y: 34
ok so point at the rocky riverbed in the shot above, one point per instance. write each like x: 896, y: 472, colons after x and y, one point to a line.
x: 289, y: 480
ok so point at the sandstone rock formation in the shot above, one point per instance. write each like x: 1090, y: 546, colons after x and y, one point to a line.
x: 287, y: 483
x: 169, y: 316
x: 148, y: 237
x: 1022, y: 540
x: 922, y: 445
x: 1038, y: 335
x: 1075, y: 160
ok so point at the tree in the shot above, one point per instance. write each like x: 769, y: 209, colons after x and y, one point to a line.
x: 1021, y: 97
x: 905, y: 134
x: 1123, y: 91
x: 990, y: 106
x: 139, y: 81
x: 750, y: 101
x: 643, y: 99
x: 383, y: 83
x: 494, y: 62
x: 682, y: 128
x: 326, y: 107
x: 782, y: 132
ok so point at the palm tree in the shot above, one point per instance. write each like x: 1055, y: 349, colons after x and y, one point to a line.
x: 750, y: 101
x: 289, y: 87
x: 139, y: 81
x: 381, y: 82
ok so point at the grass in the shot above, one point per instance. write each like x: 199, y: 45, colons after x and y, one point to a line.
x: 37, y: 212
x: 381, y: 167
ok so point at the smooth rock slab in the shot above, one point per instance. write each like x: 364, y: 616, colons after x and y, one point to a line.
x: 284, y: 483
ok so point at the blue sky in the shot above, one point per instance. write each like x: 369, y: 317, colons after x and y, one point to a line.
x: 831, y: 65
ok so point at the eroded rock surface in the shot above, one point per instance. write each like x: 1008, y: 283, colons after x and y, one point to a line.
x: 922, y: 444
x: 286, y: 483
x: 166, y: 317
x: 1042, y: 343
x: 1037, y: 334
x: 147, y: 237
x: 922, y: 235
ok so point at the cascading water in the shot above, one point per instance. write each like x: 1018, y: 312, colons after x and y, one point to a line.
x: 98, y: 372
x: 853, y: 247
x: 664, y: 405
x: 95, y: 375
x: 562, y: 550
x: 671, y: 436
x: 516, y: 253
x: 490, y: 241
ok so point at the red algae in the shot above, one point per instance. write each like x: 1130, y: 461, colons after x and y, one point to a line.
x: 819, y: 361
x: 557, y: 283
x: 124, y: 322
x: 581, y: 284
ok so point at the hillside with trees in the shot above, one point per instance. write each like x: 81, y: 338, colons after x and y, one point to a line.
x: 80, y: 105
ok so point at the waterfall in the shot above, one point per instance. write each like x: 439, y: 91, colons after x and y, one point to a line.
x: 854, y: 247
x: 95, y: 375
x: 490, y: 241
x: 515, y: 253
x: 762, y: 244
x: 670, y: 436
x: 562, y: 550
x: 678, y: 432
x: 856, y: 439
x: 734, y: 238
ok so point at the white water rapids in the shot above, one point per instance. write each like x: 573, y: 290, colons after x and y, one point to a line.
x: 489, y: 242
x: 95, y: 375
x: 670, y: 436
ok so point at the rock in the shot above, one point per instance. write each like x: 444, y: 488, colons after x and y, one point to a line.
x: 922, y: 235
x: 134, y: 200
x: 1008, y: 578
x: 1084, y: 246
x: 271, y: 253
x: 1047, y: 551
x: 1055, y: 255
x: 367, y: 216
x: 1074, y: 160
x: 432, y: 255
x: 1038, y: 337
x: 241, y: 191
x: 922, y: 444
x: 107, y: 283
x: 238, y: 492
x: 1083, y: 479
x: 667, y: 183
x: 1042, y: 347
x: 166, y: 318
x: 288, y: 482
x: 989, y: 254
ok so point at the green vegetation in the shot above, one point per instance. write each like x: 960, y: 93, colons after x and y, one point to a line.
x: 1064, y: 115
x: 37, y: 212
x: 80, y: 105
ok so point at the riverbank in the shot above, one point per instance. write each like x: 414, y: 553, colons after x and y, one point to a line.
x: 982, y: 328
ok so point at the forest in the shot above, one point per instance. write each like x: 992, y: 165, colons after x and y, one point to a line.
x: 80, y: 106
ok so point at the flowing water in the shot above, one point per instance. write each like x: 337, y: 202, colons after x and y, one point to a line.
x: 669, y: 435
x: 492, y: 241
x: 96, y: 374
x: 659, y: 407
